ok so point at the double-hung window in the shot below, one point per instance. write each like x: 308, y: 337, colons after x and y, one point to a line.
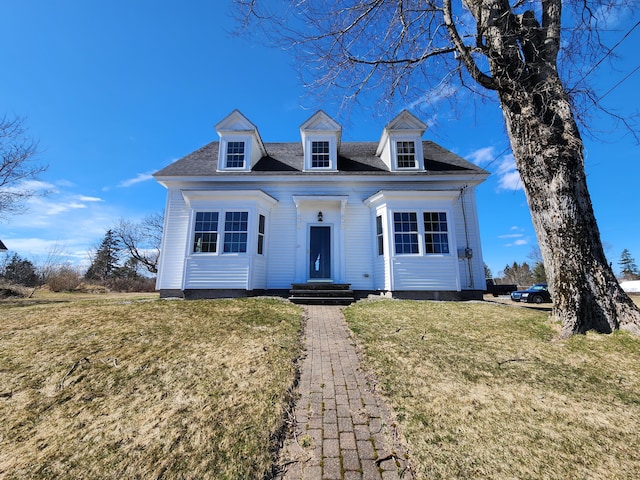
x: 260, y: 234
x: 320, y: 154
x: 206, y: 232
x: 209, y: 227
x: 436, y: 235
x: 405, y: 229
x: 235, y: 155
x: 379, y: 235
x: 406, y: 153
x: 235, y: 232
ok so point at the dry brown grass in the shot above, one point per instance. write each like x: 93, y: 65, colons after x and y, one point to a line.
x: 141, y: 388
x: 487, y: 391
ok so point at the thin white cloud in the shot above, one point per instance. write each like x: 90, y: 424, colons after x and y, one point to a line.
x: 141, y: 177
x: 511, y: 235
x: 433, y: 97
x: 84, y: 198
x: 482, y: 156
x: 506, y: 171
x: 508, y: 176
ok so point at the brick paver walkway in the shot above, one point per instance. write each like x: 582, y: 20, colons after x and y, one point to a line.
x: 341, y: 429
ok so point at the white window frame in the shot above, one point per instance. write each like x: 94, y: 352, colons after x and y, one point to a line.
x: 308, y: 157
x: 221, y: 232
x: 224, y: 148
x: 420, y: 232
x: 418, y: 156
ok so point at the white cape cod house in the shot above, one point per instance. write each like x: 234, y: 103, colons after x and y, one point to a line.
x: 395, y: 217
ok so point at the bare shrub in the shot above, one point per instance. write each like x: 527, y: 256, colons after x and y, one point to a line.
x: 131, y: 284
x: 63, y: 279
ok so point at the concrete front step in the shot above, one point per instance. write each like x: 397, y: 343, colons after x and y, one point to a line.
x: 321, y: 293
x: 322, y: 300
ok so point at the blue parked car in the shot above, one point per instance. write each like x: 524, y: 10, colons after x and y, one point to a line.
x: 538, y: 293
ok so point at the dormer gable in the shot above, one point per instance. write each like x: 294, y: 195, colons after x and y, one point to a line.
x: 400, y: 146
x: 240, y: 144
x: 321, y: 137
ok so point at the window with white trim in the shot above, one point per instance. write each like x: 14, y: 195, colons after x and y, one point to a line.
x: 406, y: 154
x: 235, y: 232
x: 379, y: 235
x: 320, y: 154
x: 235, y: 155
x: 261, y: 220
x: 205, y: 239
x: 436, y: 235
x: 433, y: 230
x: 405, y: 229
x: 208, y: 228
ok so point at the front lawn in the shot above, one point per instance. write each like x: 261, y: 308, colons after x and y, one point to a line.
x: 142, y: 388
x: 487, y: 391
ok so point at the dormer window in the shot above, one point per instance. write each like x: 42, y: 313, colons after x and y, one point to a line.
x: 320, y: 143
x: 406, y: 153
x: 235, y: 155
x: 240, y: 144
x: 320, y: 155
x: 400, y: 146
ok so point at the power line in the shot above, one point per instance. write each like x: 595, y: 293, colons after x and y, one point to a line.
x: 609, y: 52
x: 619, y: 83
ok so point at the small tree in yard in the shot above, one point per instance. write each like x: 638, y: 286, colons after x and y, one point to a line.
x: 20, y: 271
x: 106, y: 259
x: 628, y: 267
x: 142, y: 240
x: 513, y: 52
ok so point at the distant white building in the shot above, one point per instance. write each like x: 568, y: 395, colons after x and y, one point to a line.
x: 396, y: 216
x: 631, y: 286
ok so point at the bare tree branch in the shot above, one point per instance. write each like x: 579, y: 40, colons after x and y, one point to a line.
x: 17, y: 153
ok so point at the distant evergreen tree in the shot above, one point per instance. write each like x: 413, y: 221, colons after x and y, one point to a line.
x: 538, y: 274
x: 628, y: 268
x: 518, y: 274
x: 487, y: 271
x: 20, y: 271
x: 106, y: 260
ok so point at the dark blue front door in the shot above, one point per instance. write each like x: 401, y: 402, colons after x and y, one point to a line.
x: 320, y: 253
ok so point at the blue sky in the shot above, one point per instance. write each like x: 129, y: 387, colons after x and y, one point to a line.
x: 114, y: 91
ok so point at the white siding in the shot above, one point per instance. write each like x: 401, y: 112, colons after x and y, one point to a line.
x: 174, y: 242
x: 354, y: 238
x: 217, y: 271
x: 282, y: 247
x: 424, y: 273
x: 359, y: 237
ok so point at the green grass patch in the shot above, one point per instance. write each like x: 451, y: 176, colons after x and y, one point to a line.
x: 487, y: 391
x: 144, y: 388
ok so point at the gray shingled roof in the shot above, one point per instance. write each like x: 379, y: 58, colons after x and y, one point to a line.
x: 287, y: 158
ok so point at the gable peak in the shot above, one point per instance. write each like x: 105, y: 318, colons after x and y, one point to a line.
x: 235, y: 121
x: 320, y: 122
x: 405, y: 120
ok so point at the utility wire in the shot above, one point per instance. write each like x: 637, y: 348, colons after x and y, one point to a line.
x: 609, y: 52
x: 619, y: 83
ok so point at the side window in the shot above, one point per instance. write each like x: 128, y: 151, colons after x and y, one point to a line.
x: 379, y: 236
x: 235, y: 232
x: 206, y: 232
x: 235, y: 155
x: 436, y: 236
x: 260, y: 234
x: 406, y: 152
x: 405, y: 228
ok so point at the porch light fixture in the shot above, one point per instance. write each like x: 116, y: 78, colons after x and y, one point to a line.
x: 319, y: 216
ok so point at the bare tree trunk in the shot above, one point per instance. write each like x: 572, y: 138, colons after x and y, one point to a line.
x: 548, y: 150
